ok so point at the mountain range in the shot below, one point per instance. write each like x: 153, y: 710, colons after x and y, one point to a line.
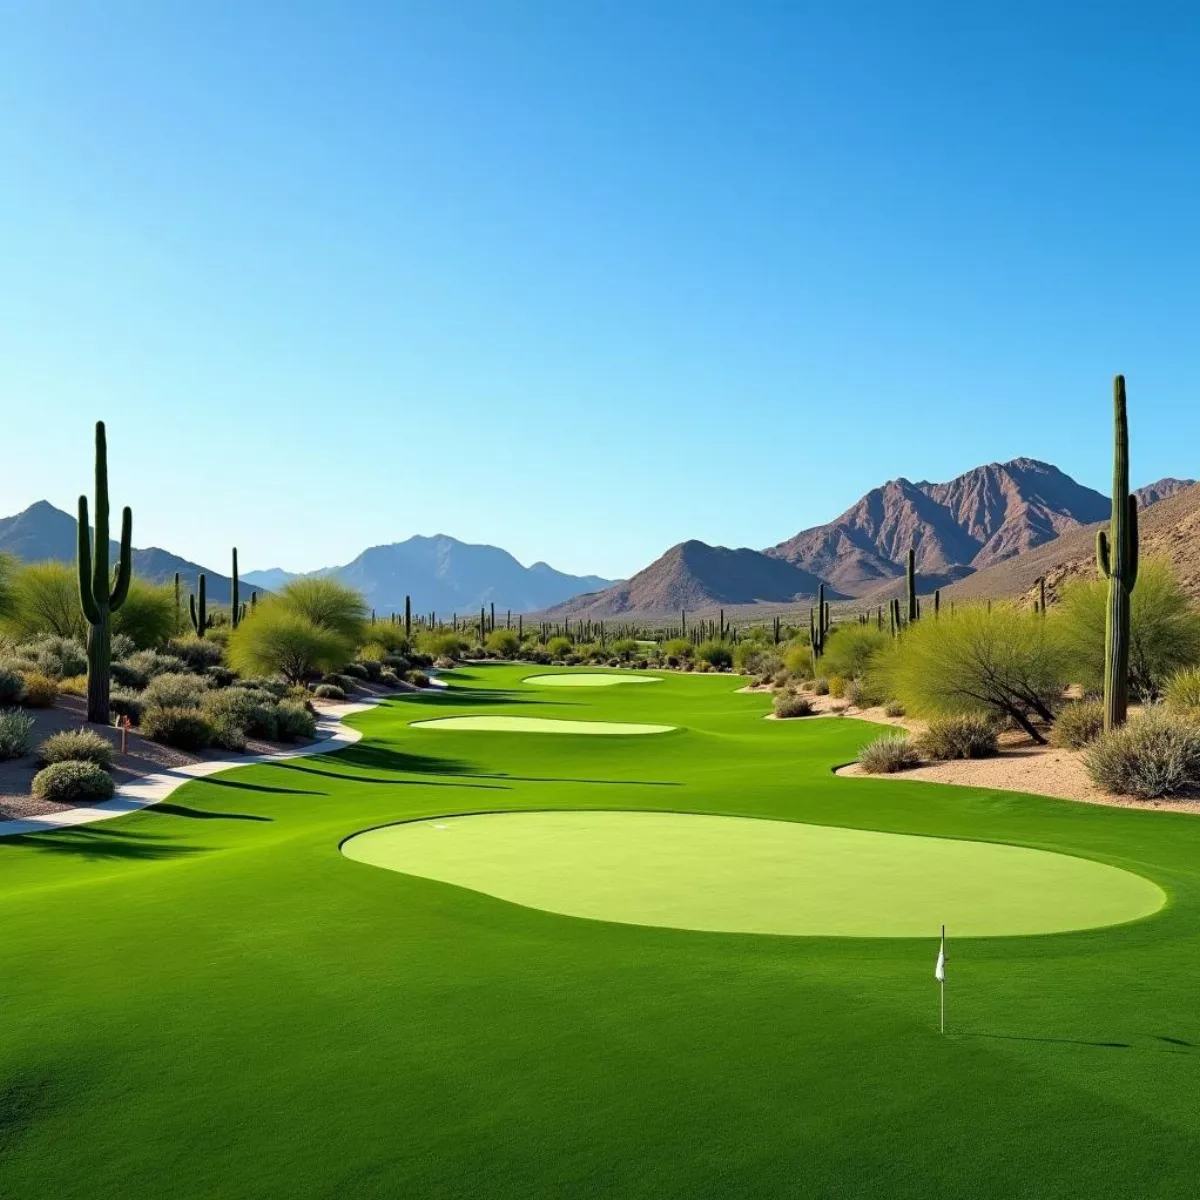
x: 445, y: 575
x: 986, y: 516
x: 440, y: 573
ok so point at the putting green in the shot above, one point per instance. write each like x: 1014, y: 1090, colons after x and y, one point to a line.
x: 740, y: 875
x: 587, y: 679
x: 538, y: 725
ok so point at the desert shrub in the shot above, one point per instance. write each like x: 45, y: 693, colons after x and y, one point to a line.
x: 329, y: 691
x: 558, y: 647
x: 40, y: 690
x: 12, y: 686
x: 626, y: 648
x: 888, y: 754
x: 716, y: 653
x: 58, y: 657
x: 373, y: 652
x: 73, y: 782
x: 123, y: 675
x: 388, y: 677
x: 294, y: 720
x: 373, y: 667
x: 281, y: 641
x: 227, y: 733
x: 442, y: 643
x: 678, y: 648
x: 8, y: 571
x: 15, y: 727
x: 329, y: 605
x: 837, y: 686
x: 45, y: 600
x: 1164, y: 633
x: 893, y: 708
x: 418, y: 679
x: 346, y: 682
x: 82, y: 745
x: 819, y: 686
x: 1077, y: 724
x: 504, y: 642
x: 390, y: 638
x: 198, y: 654
x: 220, y: 677
x: 753, y: 658
x: 175, y: 691
x: 356, y: 671
x: 397, y: 662
x: 121, y: 646
x: 959, y: 735
x: 1006, y: 662
x: 183, y: 728
x: 76, y: 685
x: 273, y: 687
x: 1182, y: 693
x: 1156, y: 754
x: 253, y: 712
x: 149, y: 663
x: 788, y: 705
x: 851, y: 650
x: 148, y: 615
x: 125, y: 703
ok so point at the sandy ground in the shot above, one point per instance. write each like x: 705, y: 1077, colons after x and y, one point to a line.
x: 143, y: 757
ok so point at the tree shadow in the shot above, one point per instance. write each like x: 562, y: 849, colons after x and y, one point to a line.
x: 25, y: 1101
x: 342, y: 775
x: 98, y: 843
x: 198, y: 814
x: 469, y: 697
x: 1017, y: 1037
x: 256, y: 787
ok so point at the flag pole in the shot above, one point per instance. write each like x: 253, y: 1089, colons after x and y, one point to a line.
x: 943, y: 982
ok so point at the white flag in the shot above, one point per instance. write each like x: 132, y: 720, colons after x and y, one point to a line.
x: 939, y: 969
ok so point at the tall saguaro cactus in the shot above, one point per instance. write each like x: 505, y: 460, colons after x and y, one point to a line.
x: 911, y: 573
x: 198, y: 605
x: 1117, y: 558
x: 100, y: 595
x: 235, y: 615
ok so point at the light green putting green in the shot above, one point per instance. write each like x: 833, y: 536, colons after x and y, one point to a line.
x: 588, y: 679
x: 538, y: 725
x: 739, y: 875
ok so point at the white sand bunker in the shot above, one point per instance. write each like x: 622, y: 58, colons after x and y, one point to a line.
x: 538, y: 725
x: 587, y: 679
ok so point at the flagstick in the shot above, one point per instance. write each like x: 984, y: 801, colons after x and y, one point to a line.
x: 943, y: 983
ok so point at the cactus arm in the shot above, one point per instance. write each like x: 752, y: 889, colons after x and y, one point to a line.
x: 1132, y: 561
x: 87, y: 600
x: 100, y: 579
x: 124, y: 563
x: 192, y: 607
x: 1102, y: 554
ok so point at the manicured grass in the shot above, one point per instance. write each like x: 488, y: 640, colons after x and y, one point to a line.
x: 208, y: 998
x: 588, y: 679
x: 736, y: 875
x: 498, y: 723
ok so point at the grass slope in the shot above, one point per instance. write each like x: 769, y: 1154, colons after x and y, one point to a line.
x: 207, y: 998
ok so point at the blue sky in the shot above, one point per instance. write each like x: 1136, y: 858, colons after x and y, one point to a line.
x: 584, y: 279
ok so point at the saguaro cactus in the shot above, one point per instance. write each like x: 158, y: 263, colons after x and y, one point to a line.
x: 198, y: 605
x: 1117, y: 558
x: 235, y: 615
x: 408, y: 618
x: 100, y: 595
x: 911, y: 572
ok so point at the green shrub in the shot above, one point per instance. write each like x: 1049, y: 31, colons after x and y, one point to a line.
x: 389, y: 678
x: 175, y: 691
x: 441, y: 643
x: 355, y: 671
x: 57, y: 657
x: 626, y: 648
x: 837, y: 687
x: 183, y: 728
x: 893, y: 708
x: 678, y: 648
x: 76, y: 745
x: 40, y: 690
x: 717, y: 654
x: 1077, y: 724
x: 123, y: 675
x: 15, y: 727
x: 558, y: 647
x: 12, y: 686
x: 227, y: 733
x: 329, y: 691
x: 1182, y: 693
x: 819, y: 686
x: 273, y: 687
x: 797, y: 658
x: 329, y: 606
x: 960, y: 735
x: 198, y: 654
x: 852, y: 650
x: 147, y: 617
x: 504, y: 642
x: 146, y: 664
x: 253, y: 712
x: 788, y: 705
x: 45, y: 600
x: 888, y: 754
x: 418, y: 679
x: 280, y: 641
x: 73, y: 782
x: 125, y: 703
x: 373, y: 667
x: 294, y: 720
x: 1156, y: 754
x: 753, y: 658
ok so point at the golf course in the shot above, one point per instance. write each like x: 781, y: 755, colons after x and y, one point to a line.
x: 545, y: 933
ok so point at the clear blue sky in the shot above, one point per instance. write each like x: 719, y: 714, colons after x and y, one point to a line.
x: 584, y: 279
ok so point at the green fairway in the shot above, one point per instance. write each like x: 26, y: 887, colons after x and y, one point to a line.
x: 502, y: 724
x: 733, y: 875
x: 588, y: 679
x: 208, y: 998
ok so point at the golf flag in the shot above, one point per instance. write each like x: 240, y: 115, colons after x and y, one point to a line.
x: 939, y: 968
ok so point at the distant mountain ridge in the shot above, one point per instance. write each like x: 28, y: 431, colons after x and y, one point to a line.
x: 445, y: 575
x: 43, y: 532
x: 694, y: 575
x: 978, y: 518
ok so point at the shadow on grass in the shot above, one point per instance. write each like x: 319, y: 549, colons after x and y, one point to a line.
x: 198, y: 814
x: 257, y: 787
x: 95, y: 842
x: 379, y: 758
x: 469, y: 697
x: 1017, y: 1037
x: 342, y: 775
